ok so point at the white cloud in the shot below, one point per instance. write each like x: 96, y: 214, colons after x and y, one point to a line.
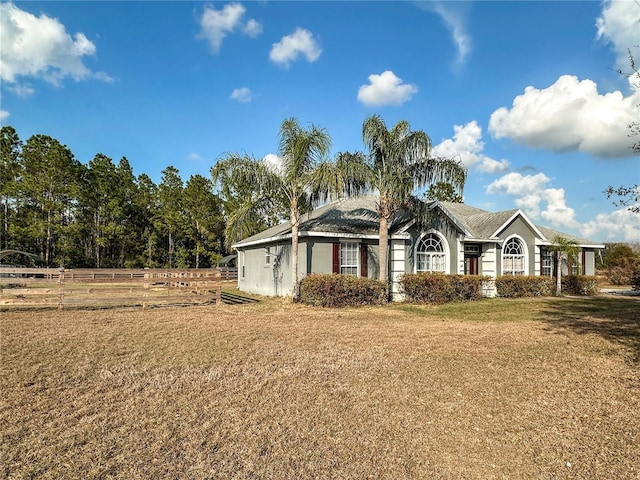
x: 618, y: 25
x: 621, y: 223
x: 4, y: 114
x: 455, y: 23
x: 530, y: 194
x: 253, y: 28
x: 385, y: 89
x: 40, y: 47
x: 467, y: 145
x: 291, y: 47
x: 22, y: 89
x: 273, y: 163
x: 194, y: 156
x: 217, y: 24
x: 570, y: 115
x: 242, y: 95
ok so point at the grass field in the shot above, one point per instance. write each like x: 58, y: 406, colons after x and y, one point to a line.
x: 518, y: 389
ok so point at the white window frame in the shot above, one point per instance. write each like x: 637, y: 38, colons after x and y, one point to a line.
x: 267, y: 257
x: 442, y: 254
x: 344, y: 246
x: 524, y: 254
x: 546, y: 262
x: 241, y: 255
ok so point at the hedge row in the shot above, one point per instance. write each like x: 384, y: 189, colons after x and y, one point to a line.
x: 341, y: 291
x: 426, y: 287
x: 543, y: 286
x: 516, y: 286
x: 580, y: 285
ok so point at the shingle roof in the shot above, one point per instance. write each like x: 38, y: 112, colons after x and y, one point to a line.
x: 358, y: 216
x: 349, y: 215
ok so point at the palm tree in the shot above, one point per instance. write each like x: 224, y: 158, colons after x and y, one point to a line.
x: 563, y: 248
x: 400, y: 162
x: 302, y: 178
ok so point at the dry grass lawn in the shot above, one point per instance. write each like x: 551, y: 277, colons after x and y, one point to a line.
x: 518, y: 389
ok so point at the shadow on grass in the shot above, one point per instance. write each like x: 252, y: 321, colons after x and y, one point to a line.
x: 616, y: 319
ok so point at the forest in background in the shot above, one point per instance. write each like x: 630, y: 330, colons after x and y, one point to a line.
x: 101, y: 215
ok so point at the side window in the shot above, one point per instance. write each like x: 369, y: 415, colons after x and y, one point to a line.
x: 546, y: 262
x: 349, y: 258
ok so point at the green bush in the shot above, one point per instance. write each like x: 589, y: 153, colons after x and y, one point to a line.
x: 426, y: 287
x: 341, y: 291
x: 579, y: 285
x: 517, y: 286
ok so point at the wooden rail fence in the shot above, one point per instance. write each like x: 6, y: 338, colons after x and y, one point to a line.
x: 106, y: 286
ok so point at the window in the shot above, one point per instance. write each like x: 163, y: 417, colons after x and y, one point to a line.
x: 546, y: 263
x: 267, y: 257
x: 431, y: 255
x: 349, y: 258
x: 513, y: 257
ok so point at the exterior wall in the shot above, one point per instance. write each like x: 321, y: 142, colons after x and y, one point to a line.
x: 488, y: 260
x: 262, y: 279
x: 589, y: 261
x: 520, y: 228
x: 399, y: 261
x: 319, y: 256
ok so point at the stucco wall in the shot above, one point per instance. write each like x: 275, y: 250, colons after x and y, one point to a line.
x: 522, y: 229
x: 262, y: 279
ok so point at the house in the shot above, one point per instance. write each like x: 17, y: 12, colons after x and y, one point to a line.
x: 342, y: 237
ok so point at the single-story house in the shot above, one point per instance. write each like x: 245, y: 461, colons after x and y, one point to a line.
x: 342, y: 237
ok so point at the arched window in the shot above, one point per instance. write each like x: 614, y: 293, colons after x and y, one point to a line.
x: 514, y: 258
x: 431, y: 255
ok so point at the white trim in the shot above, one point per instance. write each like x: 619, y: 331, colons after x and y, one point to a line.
x: 279, y: 238
x: 524, y: 247
x: 358, y: 259
x: 447, y: 250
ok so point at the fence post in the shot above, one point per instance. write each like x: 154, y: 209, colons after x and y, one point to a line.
x: 61, y: 289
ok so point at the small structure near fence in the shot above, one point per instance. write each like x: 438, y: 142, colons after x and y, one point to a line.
x: 106, y: 286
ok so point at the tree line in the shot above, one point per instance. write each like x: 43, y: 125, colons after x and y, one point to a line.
x: 100, y: 214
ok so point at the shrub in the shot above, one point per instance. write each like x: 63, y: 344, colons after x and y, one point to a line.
x: 619, y: 275
x: 580, y: 285
x: 516, y: 286
x: 426, y: 287
x: 323, y: 290
x: 635, y: 278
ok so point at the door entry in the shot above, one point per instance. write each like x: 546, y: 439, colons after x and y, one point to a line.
x: 471, y: 265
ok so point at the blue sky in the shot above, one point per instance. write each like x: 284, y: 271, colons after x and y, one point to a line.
x: 524, y: 93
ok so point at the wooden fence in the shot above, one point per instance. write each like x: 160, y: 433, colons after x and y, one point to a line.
x: 228, y: 274
x: 102, y: 287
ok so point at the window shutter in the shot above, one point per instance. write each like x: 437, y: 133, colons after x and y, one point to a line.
x: 336, y: 258
x: 364, y: 261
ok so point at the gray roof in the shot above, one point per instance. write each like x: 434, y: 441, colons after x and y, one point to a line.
x: 357, y: 216
x: 345, y: 216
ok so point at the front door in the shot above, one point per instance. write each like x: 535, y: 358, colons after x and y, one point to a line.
x: 471, y: 265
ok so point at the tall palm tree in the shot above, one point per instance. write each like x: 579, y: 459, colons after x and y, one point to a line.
x: 400, y: 162
x: 302, y: 177
x: 563, y: 248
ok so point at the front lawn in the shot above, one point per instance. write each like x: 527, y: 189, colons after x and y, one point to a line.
x: 532, y: 388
